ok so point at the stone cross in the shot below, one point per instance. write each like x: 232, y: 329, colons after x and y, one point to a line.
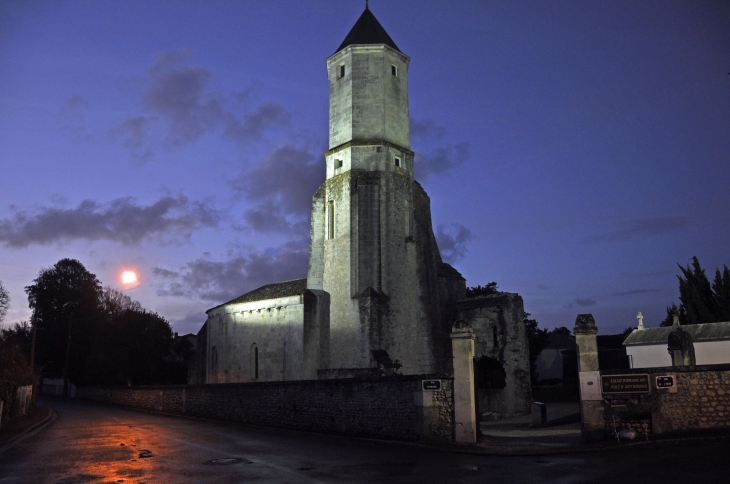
x: 640, y: 317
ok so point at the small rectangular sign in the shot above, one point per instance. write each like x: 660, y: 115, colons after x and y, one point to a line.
x: 432, y: 385
x: 665, y: 381
x: 589, y: 388
x: 625, y: 384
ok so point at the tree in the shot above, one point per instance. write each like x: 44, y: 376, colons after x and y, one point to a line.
x: 18, y: 335
x: 488, y: 289
x: 65, y: 300
x: 700, y: 301
x: 4, y: 302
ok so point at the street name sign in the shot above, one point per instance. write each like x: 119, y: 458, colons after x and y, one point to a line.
x: 432, y: 385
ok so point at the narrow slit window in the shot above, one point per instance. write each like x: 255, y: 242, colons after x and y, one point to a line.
x: 397, y: 161
x: 331, y: 219
x: 494, y: 336
x: 342, y: 71
x: 338, y: 163
x: 394, y: 70
x: 255, y: 361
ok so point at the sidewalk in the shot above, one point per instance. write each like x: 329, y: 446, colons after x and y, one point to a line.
x: 19, y: 426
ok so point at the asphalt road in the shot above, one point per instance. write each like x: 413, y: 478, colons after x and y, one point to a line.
x: 91, y: 443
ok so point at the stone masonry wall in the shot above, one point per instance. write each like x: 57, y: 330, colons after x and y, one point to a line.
x: 386, y: 408
x: 702, y: 401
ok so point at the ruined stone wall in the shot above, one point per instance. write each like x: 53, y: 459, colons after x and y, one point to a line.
x: 701, y: 401
x: 387, y: 408
x: 274, y: 326
x: 500, y: 334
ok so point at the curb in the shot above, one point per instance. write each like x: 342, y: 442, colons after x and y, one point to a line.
x: 514, y: 451
x: 50, y: 415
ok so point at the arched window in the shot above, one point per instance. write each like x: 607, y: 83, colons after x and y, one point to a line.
x: 254, y: 362
x: 214, y: 359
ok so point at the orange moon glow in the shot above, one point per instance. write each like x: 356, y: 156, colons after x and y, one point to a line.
x: 129, y: 277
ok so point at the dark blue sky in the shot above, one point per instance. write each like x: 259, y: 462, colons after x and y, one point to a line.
x: 574, y: 152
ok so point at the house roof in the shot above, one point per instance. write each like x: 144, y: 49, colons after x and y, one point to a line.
x: 276, y: 290
x: 699, y: 332
x: 560, y: 341
x: 367, y: 30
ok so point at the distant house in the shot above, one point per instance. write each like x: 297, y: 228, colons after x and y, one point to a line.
x: 558, y: 360
x: 550, y: 361
x: 704, y: 344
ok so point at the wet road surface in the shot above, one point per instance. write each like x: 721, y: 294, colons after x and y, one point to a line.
x: 93, y: 443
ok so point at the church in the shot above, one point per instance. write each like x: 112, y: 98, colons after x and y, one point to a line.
x: 378, y: 300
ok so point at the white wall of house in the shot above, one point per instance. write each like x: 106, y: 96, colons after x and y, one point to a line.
x: 656, y: 355
x: 712, y: 352
x: 649, y: 356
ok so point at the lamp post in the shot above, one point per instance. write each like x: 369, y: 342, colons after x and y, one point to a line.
x: 68, y: 349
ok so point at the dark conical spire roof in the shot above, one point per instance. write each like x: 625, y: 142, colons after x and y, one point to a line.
x: 367, y: 30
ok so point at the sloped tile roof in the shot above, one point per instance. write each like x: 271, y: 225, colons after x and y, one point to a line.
x: 699, y: 332
x: 276, y: 290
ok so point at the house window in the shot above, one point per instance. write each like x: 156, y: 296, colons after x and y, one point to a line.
x: 331, y: 219
x: 254, y: 362
x: 394, y: 70
x: 214, y: 359
x: 338, y: 163
x: 342, y: 71
x: 397, y: 161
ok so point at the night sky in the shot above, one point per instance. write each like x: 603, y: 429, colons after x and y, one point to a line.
x: 574, y: 152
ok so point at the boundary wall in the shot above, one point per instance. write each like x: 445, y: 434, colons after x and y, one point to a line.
x: 396, y: 408
x: 699, y: 401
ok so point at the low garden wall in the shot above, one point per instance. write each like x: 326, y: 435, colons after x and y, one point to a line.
x: 395, y: 408
x: 699, y: 400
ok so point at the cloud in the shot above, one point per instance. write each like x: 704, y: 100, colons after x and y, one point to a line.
x: 191, y: 323
x: 441, y: 160
x: 177, y: 94
x: 221, y: 281
x: 281, y: 186
x: 72, y: 117
x: 584, y: 303
x: 646, y: 227
x: 637, y: 291
x: 266, y: 116
x: 120, y: 220
x: 426, y: 129
x: 453, y: 247
x: 179, y: 97
x: 137, y: 133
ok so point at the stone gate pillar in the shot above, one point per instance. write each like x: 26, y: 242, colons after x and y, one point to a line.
x: 465, y: 422
x: 591, y: 399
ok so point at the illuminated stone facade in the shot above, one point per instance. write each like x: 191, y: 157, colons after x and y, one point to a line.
x: 378, y: 298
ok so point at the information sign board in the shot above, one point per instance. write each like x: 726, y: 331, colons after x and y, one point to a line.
x: 625, y: 384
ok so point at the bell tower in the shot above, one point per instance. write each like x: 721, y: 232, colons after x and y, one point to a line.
x: 373, y: 259
x: 368, y: 86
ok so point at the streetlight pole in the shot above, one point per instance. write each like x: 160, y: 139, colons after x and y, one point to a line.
x: 66, y: 389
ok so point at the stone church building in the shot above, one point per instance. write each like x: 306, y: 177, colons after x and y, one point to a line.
x: 378, y: 299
